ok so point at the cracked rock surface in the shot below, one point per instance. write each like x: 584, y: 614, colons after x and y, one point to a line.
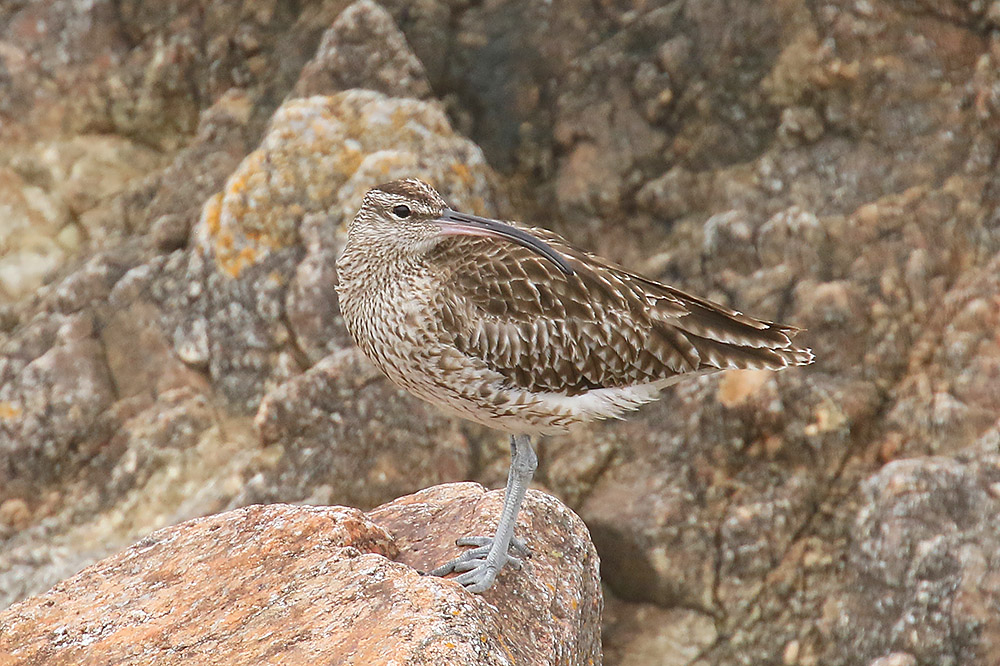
x: 174, y: 185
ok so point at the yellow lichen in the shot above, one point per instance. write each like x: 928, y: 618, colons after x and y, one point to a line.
x: 463, y: 173
x: 247, y: 255
x: 9, y: 411
x: 232, y: 268
x: 399, y: 118
x: 211, y: 213
x: 350, y: 160
x: 225, y: 242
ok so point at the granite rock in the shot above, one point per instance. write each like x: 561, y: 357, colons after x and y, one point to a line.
x: 364, y: 49
x: 330, y: 583
x: 922, y: 566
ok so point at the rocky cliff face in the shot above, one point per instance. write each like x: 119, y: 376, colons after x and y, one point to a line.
x: 175, y: 180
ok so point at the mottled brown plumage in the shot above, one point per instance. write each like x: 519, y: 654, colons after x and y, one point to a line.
x: 517, y: 329
x: 491, y: 330
x: 602, y: 327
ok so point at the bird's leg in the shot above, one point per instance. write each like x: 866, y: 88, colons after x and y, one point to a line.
x: 479, y: 566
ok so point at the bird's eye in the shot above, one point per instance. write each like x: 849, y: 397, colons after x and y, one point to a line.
x: 401, y: 211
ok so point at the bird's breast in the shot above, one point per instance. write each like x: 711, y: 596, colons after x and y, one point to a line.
x: 388, y: 317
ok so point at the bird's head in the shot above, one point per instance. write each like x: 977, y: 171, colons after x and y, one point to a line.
x: 409, y: 218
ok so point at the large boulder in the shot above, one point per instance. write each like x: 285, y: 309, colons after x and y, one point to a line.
x: 330, y: 584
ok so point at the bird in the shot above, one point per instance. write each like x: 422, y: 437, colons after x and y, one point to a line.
x: 515, y: 328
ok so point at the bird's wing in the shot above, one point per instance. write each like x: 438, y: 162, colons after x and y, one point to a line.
x: 602, y: 327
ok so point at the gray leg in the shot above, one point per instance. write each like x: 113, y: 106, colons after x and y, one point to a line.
x: 481, y: 565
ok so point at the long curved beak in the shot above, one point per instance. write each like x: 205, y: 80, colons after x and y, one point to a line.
x: 453, y: 222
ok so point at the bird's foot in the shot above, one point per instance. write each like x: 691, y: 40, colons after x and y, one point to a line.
x: 478, y: 568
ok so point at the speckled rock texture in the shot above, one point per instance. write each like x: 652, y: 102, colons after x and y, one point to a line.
x: 174, y: 184
x: 307, y: 585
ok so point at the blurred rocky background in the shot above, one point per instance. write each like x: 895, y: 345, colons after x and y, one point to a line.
x: 175, y: 180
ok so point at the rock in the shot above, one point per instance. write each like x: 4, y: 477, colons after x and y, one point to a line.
x: 792, y: 237
x: 603, y: 139
x: 895, y: 659
x: 926, y: 546
x: 87, y: 170
x: 327, y: 583
x: 800, y: 124
x: 644, y: 634
x: 15, y: 513
x: 947, y: 399
x: 24, y: 269
x: 30, y: 221
x: 170, y: 203
x: 729, y: 237
x: 158, y: 463
x: 559, y: 597
x: 348, y: 433
x: 364, y: 49
x: 674, y: 194
x: 48, y: 402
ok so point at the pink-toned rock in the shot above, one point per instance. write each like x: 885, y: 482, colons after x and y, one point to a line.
x: 293, y: 584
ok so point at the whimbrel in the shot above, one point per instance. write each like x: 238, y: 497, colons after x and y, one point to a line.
x: 515, y: 328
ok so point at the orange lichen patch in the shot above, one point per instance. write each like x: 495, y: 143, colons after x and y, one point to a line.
x: 247, y: 255
x: 232, y: 268
x: 737, y: 386
x: 262, y: 238
x: 210, y: 213
x: 463, y: 173
x: 224, y: 242
x: 320, y: 192
x: 399, y: 118
x: 232, y: 262
x: 350, y: 159
x: 10, y: 411
x: 253, y: 164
